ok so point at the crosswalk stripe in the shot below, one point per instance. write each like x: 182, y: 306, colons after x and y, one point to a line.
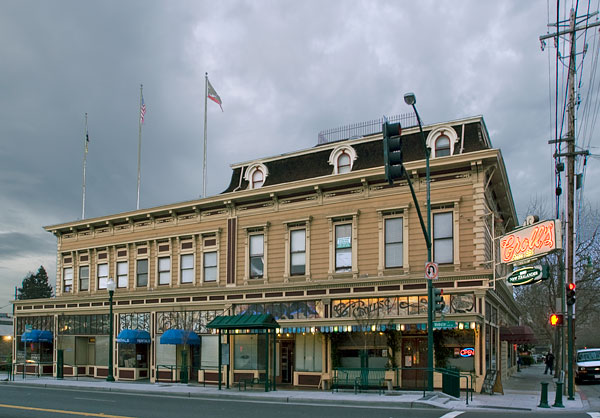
x: 457, y: 413
x: 594, y: 414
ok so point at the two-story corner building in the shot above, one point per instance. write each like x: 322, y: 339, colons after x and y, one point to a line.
x: 318, y: 239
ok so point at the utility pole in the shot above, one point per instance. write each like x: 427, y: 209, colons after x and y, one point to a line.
x: 570, y: 193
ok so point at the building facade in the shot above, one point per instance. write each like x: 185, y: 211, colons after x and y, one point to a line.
x: 318, y: 239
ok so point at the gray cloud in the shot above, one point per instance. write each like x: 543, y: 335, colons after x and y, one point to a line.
x: 285, y: 70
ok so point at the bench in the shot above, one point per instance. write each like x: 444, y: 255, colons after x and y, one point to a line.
x: 359, y: 379
x: 251, y: 382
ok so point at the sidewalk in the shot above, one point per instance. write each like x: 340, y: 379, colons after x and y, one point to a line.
x: 521, y: 392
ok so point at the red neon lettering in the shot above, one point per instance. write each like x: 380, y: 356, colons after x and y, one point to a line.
x: 518, y: 245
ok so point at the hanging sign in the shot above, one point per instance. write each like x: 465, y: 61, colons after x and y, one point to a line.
x: 531, y: 241
x: 525, y: 275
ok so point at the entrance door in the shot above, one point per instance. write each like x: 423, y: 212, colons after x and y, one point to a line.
x: 194, y: 362
x: 414, y: 363
x: 287, y: 362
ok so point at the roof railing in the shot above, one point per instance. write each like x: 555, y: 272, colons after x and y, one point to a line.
x: 361, y: 129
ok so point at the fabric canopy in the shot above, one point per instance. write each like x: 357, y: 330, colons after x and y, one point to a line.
x: 37, y: 336
x: 244, y: 321
x: 517, y: 334
x: 179, y: 336
x: 134, y: 336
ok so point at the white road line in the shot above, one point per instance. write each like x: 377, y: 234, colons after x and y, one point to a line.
x: 456, y: 413
x: 94, y: 399
x: 594, y: 414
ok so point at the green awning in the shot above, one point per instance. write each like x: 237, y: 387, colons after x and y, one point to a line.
x: 244, y: 321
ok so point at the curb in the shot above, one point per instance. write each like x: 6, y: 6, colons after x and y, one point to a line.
x: 243, y: 397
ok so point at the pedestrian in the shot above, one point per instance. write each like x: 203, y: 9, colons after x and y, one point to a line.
x: 549, y: 362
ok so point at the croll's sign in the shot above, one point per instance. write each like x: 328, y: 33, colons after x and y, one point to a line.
x: 531, y: 241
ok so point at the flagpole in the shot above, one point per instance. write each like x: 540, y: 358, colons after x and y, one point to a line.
x: 137, y: 206
x: 204, y: 161
x: 85, y: 150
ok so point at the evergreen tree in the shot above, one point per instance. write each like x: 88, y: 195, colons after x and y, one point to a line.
x: 35, y: 286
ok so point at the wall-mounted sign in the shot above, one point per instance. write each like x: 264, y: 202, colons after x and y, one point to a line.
x: 531, y: 241
x: 467, y: 352
x: 525, y: 275
x: 343, y: 242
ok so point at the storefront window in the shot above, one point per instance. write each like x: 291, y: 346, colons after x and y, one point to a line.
x: 101, y: 350
x: 209, y: 354
x: 309, y: 356
x: 166, y: 354
x: 133, y: 355
x: 249, y: 352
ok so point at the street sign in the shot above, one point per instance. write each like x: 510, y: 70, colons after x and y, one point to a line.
x: 444, y: 324
x: 431, y: 270
x: 525, y: 275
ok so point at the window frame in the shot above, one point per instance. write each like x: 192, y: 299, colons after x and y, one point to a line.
x: 250, y: 172
x: 260, y: 255
x: 215, y: 267
x: 187, y: 269
x: 164, y: 273
x: 100, y: 278
x: 79, y: 276
x: 65, y: 287
x: 438, y: 149
x: 293, y: 251
x: 444, y: 130
x: 435, y: 239
x: 120, y: 276
x: 253, y: 230
x: 339, y: 151
x: 137, y: 272
x: 334, y: 221
x: 387, y: 243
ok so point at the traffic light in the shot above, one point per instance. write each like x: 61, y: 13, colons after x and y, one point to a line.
x: 392, y: 151
x: 556, y: 319
x: 571, y: 294
x: 438, y: 300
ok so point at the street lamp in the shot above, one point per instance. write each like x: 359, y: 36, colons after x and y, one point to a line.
x: 110, y: 286
x: 410, y: 99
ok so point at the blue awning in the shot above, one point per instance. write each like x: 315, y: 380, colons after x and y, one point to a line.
x: 37, y: 336
x: 179, y: 336
x: 134, y: 336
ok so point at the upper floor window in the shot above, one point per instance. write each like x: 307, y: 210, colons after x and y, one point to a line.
x: 442, y: 146
x: 256, y: 253
x: 122, y: 279
x: 102, y: 275
x: 255, y: 175
x: 68, y: 279
x: 297, y: 252
x: 209, y: 266
x: 342, y: 159
x: 84, y: 278
x: 442, y: 141
x: 186, y: 267
x: 164, y: 270
x: 141, y: 273
x: 393, y: 242
x: 343, y: 248
x: 443, y: 242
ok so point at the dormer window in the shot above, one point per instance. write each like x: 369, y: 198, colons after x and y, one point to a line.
x: 442, y: 146
x: 342, y: 159
x: 442, y: 141
x: 343, y: 163
x: 255, y: 175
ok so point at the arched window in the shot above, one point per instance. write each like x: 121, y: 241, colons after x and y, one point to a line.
x: 258, y: 179
x: 442, y: 146
x: 342, y: 159
x: 256, y: 175
x: 343, y: 163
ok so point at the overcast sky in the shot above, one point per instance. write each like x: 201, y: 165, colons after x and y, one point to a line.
x: 285, y: 70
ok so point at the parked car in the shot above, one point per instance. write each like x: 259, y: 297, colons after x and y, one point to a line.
x: 588, y: 365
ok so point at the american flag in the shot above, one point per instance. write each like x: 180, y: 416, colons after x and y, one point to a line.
x: 142, y: 110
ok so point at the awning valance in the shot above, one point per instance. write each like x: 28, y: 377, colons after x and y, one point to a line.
x: 179, y: 336
x: 517, y: 334
x: 244, y: 321
x: 134, y: 336
x: 37, y: 336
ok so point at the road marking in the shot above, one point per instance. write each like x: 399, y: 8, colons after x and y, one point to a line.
x: 95, y: 399
x: 594, y: 414
x: 452, y: 414
x: 61, y: 411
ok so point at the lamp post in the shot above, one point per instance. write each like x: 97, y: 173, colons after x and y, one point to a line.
x: 410, y: 99
x: 110, y: 286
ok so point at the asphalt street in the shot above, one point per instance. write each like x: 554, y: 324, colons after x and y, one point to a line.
x: 592, y: 392
x: 46, y: 402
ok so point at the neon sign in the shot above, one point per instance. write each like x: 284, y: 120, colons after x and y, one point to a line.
x: 467, y: 352
x: 529, y: 242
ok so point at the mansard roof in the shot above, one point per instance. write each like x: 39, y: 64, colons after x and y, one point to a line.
x: 314, y: 162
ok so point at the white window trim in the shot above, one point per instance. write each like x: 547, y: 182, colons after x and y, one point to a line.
x: 339, y: 150
x: 290, y: 226
x: 351, y: 218
x: 252, y: 168
x: 98, y: 264
x: 79, y: 277
x: 446, y: 130
x: 181, y: 255
x: 387, y: 213
x: 158, y: 283
x: 449, y: 206
x: 122, y: 260
x: 253, y: 230
x: 72, y: 279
